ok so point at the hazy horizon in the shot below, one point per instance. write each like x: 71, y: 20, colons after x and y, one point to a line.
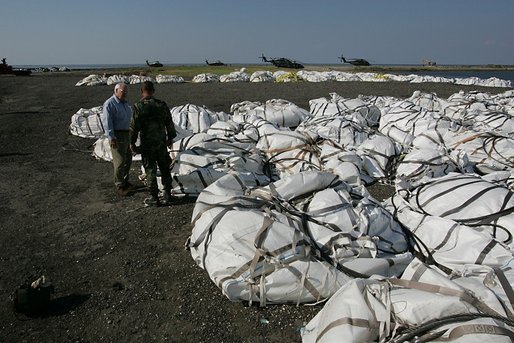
x: 397, y: 32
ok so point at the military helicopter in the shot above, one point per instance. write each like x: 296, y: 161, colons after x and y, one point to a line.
x: 154, y: 64
x: 282, y: 62
x: 217, y: 63
x: 355, y: 61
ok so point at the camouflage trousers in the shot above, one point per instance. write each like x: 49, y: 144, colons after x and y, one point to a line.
x: 121, y: 159
x: 151, y: 160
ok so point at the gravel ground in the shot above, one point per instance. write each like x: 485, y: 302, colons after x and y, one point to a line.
x: 120, y: 271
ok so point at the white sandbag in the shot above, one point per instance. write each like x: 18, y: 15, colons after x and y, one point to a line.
x: 201, y: 159
x: 314, y: 76
x: 169, y: 79
x: 407, y: 310
x: 404, y: 121
x: 236, y: 76
x: 338, y: 106
x: 421, y: 165
x: 262, y: 76
x: 254, y: 246
x: 468, y: 200
x: 281, y: 112
x: 136, y: 79
x: 450, y: 244
x: 345, y: 164
x: 87, y: 123
x: 376, y: 153
x: 342, y: 130
x: 92, y: 80
x: 224, y: 128
x: 244, y: 108
x: 500, y: 122
x: 194, y: 118
x: 115, y: 79
x: 102, y: 150
x: 489, y: 151
x: 283, y: 76
x: 427, y: 101
x: 205, y: 78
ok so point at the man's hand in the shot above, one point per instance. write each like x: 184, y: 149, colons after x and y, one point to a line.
x: 114, y: 144
x: 169, y: 143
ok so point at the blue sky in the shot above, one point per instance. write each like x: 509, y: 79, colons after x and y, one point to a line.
x: 382, y: 31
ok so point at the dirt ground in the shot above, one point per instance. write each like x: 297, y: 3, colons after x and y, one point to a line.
x: 121, y: 272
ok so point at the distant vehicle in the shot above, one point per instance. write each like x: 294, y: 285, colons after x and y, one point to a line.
x: 282, y: 62
x: 154, y: 64
x: 7, y: 69
x: 355, y: 61
x: 217, y: 63
x: 428, y: 63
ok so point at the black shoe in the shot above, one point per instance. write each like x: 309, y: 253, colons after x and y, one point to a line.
x: 168, y: 198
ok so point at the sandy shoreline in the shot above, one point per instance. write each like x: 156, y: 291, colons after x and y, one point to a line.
x: 120, y: 271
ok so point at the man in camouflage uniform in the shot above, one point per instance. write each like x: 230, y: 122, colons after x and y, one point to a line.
x: 151, y: 119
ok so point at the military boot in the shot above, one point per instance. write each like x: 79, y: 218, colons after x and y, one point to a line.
x: 152, y: 201
x: 168, y: 198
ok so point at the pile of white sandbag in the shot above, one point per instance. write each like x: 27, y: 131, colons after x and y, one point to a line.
x: 423, y: 305
x: 206, y: 78
x: 297, y: 240
x: 262, y: 76
x: 302, y: 75
x: 169, y: 79
x: 236, y: 76
x: 283, y: 214
x: 92, y: 80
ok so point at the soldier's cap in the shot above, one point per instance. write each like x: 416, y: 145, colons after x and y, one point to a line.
x: 147, y: 86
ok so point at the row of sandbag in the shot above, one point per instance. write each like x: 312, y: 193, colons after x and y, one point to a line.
x: 236, y: 76
x: 340, y: 135
x: 97, y: 80
x: 466, y: 132
x: 302, y: 75
x: 321, y: 76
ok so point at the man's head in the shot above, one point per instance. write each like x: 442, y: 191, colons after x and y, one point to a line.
x: 147, y: 88
x: 121, y: 91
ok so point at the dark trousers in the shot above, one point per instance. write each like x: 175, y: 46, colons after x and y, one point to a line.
x: 151, y: 160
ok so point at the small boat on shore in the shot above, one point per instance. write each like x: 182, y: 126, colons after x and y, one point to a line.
x: 154, y: 64
x: 7, y: 69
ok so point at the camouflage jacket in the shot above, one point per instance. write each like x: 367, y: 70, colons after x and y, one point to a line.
x: 151, y: 119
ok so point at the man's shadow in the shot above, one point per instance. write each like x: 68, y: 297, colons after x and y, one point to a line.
x: 63, y: 305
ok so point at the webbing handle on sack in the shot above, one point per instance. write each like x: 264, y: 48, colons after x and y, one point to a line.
x: 466, y: 296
